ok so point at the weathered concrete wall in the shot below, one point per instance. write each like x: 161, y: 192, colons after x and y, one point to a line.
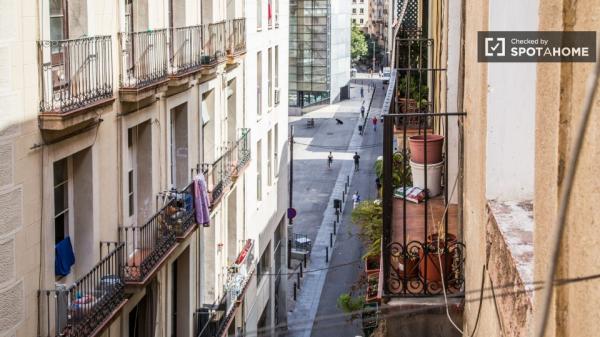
x: 560, y: 98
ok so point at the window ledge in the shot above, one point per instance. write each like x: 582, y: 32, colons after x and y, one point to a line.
x: 510, y: 259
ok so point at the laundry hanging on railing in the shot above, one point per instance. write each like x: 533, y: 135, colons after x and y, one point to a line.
x: 201, y: 200
x: 64, y: 257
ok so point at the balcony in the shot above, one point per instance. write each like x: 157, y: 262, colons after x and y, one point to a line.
x: 143, y: 62
x: 88, y: 306
x: 215, y: 321
x: 236, y: 38
x: 422, y: 251
x: 186, y: 50
x: 213, y: 44
x: 76, y: 76
x: 148, y: 246
x: 223, y: 172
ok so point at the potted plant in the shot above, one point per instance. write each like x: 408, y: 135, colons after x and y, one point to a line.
x: 350, y: 304
x: 372, y: 263
x: 401, y: 173
x: 437, y: 249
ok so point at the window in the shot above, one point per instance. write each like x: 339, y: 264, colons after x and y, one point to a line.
x: 269, y: 161
x: 258, y: 83
x: 353, y: 20
x: 270, y: 78
x: 130, y: 173
x: 259, y: 14
x: 61, y: 200
x: 362, y: 11
x: 58, y: 20
x: 362, y: 21
x: 259, y: 170
x: 264, y: 265
x: 276, y: 148
x: 276, y: 66
x: 353, y: 10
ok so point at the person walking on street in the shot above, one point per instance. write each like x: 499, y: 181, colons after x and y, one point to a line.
x: 362, y: 112
x: 374, y: 121
x: 362, y: 92
x: 355, y: 199
x: 356, y: 161
x: 329, y: 160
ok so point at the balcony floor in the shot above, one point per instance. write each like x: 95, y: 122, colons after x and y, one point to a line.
x: 415, y: 219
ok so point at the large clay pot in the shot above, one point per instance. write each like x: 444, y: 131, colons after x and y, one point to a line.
x: 434, y: 148
x: 433, y: 258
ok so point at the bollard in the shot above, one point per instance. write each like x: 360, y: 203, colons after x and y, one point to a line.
x: 289, y: 257
x: 301, y: 273
x: 335, y: 227
x: 304, y: 260
x: 330, y: 241
x: 295, y: 290
x: 326, y: 254
x: 348, y: 180
x: 298, y: 275
x: 337, y: 216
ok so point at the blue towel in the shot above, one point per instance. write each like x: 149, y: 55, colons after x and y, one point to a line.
x: 64, y: 257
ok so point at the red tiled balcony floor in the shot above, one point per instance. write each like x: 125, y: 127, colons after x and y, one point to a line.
x: 415, y: 219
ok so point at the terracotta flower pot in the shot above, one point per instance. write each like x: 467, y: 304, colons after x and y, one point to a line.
x: 433, y: 258
x: 434, y: 148
x: 372, y: 264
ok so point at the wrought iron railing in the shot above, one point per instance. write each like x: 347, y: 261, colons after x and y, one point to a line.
x: 143, y: 59
x: 75, y: 73
x: 81, y: 308
x: 147, y: 245
x: 422, y: 251
x: 222, y: 172
x: 213, y: 42
x: 236, y: 36
x: 186, y: 50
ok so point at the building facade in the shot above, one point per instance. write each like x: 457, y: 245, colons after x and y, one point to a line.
x: 319, y: 62
x: 110, y: 111
x: 360, y: 14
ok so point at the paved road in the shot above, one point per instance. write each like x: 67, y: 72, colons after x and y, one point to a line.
x: 348, y: 248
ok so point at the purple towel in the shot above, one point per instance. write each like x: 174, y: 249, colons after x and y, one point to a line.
x: 201, y: 200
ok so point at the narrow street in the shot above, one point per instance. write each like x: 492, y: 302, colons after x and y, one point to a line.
x: 315, y: 311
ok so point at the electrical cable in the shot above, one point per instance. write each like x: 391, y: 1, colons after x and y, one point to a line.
x: 565, y: 196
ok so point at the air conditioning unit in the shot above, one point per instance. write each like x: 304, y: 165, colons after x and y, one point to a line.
x: 277, y: 96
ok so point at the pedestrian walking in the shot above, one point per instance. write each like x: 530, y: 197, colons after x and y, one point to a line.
x: 362, y: 111
x: 362, y: 92
x: 355, y: 199
x: 329, y: 160
x: 378, y: 185
x: 374, y: 121
x: 356, y: 161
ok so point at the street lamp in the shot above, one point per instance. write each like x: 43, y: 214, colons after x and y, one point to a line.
x: 373, y: 56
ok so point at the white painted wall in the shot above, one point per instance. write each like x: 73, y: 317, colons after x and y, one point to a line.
x: 340, y: 47
x: 511, y: 109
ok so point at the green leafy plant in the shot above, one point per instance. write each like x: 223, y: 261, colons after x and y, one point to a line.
x: 358, y: 43
x: 401, y: 174
x: 350, y: 304
x: 368, y: 215
x: 409, y: 87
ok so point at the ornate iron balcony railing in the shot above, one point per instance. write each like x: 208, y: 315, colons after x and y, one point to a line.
x: 236, y: 36
x: 75, y: 73
x: 143, y: 59
x: 222, y: 172
x: 213, y: 42
x: 186, y: 49
x: 82, y: 308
